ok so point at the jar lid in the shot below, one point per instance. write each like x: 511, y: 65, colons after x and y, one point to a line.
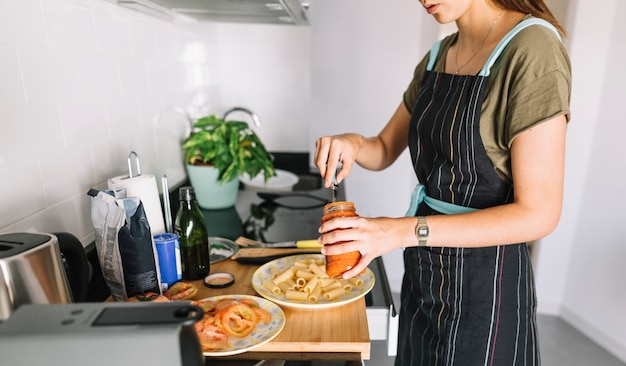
x: 219, y: 280
x: 339, y: 206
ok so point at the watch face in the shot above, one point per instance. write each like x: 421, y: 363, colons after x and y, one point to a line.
x: 422, y: 232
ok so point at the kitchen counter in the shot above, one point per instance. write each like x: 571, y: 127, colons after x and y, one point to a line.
x: 339, y: 333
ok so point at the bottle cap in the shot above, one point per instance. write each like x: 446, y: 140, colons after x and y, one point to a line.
x: 186, y: 194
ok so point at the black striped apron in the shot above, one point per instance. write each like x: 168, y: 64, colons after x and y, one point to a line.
x: 463, y: 306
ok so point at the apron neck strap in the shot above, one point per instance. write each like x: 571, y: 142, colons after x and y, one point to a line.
x: 434, y: 51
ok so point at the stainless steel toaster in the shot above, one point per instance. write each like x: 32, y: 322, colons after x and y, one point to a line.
x: 31, y: 272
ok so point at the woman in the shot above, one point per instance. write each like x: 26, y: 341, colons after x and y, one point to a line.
x: 485, y: 120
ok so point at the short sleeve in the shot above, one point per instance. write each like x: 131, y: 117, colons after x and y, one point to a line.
x: 539, y: 81
x: 410, y: 95
x: 529, y: 84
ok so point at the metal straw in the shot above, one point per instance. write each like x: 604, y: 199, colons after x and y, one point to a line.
x: 166, y: 205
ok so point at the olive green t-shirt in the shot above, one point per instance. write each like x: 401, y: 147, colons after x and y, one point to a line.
x: 530, y: 83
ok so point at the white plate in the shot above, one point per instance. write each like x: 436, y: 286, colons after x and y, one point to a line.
x: 265, y: 272
x: 283, y: 181
x: 261, y: 335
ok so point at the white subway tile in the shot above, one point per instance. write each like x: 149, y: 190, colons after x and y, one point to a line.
x: 69, y: 26
x: 21, y: 23
x: 133, y: 75
x: 29, y: 131
x: 22, y: 196
x: 143, y: 39
x: 82, y: 205
x: 112, y: 33
x: 111, y: 158
x: 61, y: 217
x: 123, y: 115
x: 99, y: 74
x: 84, y: 121
x: 66, y: 174
x: 11, y: 87
x: 55, y: 79
x: 150, y: 108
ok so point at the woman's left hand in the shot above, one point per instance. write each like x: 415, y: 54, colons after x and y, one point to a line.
x: 372, y: 237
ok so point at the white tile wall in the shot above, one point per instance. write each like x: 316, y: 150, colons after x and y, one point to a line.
x: 82, y: 83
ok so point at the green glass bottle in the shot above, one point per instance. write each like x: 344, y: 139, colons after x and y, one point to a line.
x: 194, y: 239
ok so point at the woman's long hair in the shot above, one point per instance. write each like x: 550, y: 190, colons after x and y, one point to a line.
x: 536, y: 8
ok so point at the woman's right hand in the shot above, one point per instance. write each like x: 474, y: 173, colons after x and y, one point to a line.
x: 330, y: 151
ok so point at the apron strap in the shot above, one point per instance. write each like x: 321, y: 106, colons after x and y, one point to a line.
x: 419, y: 195
x: 509, y: 36
x: 434, y: 50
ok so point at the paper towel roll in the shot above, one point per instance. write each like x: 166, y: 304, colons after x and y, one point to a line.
x: 145, y: 187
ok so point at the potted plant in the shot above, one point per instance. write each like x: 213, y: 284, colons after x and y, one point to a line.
x: 217, y: 152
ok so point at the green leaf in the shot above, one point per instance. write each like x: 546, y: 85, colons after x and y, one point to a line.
x: 232, y: 147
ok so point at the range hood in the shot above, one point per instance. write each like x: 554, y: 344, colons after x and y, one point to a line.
x: 239, y: 11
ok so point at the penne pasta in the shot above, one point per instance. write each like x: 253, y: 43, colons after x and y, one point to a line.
x: 306, y: 281
x: 325, y: 282
x: 301, y: 281
x: 296, y: 295
x: 307, y: 275
x: 308, y: 288
x: 284, y: 286
x: 334, y: 293
x: 286, y: 274
x: 332, y: 285
x: 271, y: 287
x: 318, y: 270
x: 347, y: 285
x: 356, y: 281
x: 315, y: 295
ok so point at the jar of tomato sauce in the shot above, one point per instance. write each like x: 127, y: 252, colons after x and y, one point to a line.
x: 336, y: 265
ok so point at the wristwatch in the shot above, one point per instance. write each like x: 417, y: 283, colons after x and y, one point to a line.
x: 421, y: 231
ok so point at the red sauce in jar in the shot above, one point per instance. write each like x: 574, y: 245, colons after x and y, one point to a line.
x: 336, y: 265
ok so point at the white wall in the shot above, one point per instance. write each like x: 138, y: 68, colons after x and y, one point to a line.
x: 265, y: 68
x: 592, y: 293
x: 84, y: 82
x: 364, y: 54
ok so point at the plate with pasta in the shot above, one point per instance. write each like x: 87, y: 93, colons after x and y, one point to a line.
x: 300, y: 281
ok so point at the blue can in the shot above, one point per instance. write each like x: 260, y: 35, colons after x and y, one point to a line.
x: 168, y: 251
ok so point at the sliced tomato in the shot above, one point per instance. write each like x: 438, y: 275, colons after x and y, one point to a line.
x: 206, y: 306
x: 262, y: 315
x: 250, y: 302
x: 212, y: 338
x: 225, y: 303
x: 238, y: 320
x: 181, y: 291
x: 148, y: 296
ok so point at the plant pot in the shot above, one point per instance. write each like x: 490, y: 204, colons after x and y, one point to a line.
x: 210, y: 193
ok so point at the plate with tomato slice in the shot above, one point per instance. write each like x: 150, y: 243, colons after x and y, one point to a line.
x: 236, y: 324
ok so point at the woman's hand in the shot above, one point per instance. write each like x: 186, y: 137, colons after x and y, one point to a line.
x: 372, y: 237
x: 332, y: 150
x: 372, y: 153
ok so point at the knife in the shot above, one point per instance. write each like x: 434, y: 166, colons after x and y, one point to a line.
x: 264, y: 255
x: 250, y: 243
